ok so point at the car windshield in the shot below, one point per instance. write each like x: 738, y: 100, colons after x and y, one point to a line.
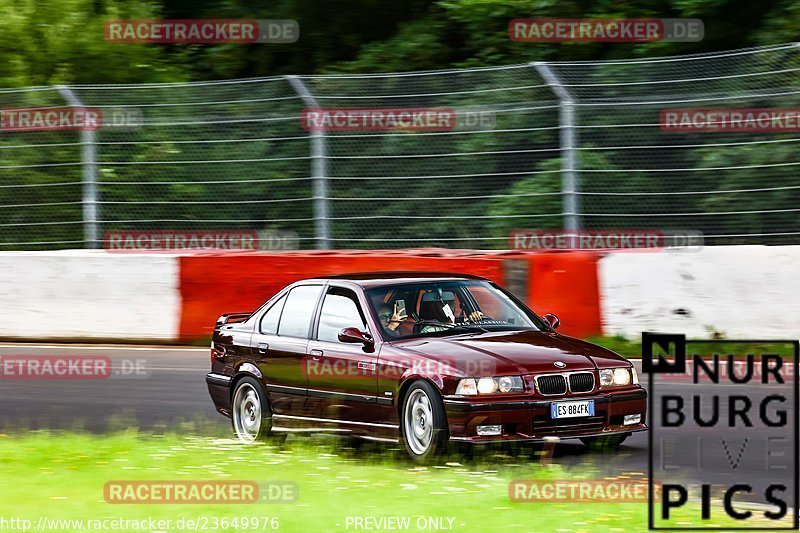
x: 448, y: 307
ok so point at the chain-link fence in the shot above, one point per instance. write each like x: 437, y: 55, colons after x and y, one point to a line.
x: 534, y: 146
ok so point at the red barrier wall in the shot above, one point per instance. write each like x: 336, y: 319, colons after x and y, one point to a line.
x: 566, y: 285
x: 211, y: 285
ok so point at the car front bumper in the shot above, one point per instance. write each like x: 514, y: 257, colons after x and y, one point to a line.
x: 529, y: 419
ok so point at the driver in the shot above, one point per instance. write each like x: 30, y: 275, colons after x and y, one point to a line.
x: 391, y: 319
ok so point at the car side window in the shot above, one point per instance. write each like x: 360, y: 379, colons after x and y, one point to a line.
x: 298, y: 310
x: 340, y: 310
x: 269, y: 322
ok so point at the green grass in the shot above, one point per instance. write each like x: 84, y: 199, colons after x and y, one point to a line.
x: 621, y: 345
x: 62, y: 475
x: 633, y: 348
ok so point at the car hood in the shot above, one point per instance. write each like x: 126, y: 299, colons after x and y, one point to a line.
x: 512, y: 352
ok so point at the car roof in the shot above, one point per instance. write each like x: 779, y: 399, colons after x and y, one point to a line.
x: 377, y: 279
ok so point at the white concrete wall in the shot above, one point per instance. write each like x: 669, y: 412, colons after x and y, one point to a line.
x: 739, y: 291
x: 89, y: 294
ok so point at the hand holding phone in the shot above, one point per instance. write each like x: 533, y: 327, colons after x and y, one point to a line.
x: 400, y: 308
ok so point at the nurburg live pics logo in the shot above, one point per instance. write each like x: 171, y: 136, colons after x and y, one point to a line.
x: 724, y: 441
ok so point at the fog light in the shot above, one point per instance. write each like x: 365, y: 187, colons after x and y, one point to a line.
x: 484, y: 431
x: 631, y: 420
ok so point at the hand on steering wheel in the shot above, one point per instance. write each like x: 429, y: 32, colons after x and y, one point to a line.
x: 477, y: 316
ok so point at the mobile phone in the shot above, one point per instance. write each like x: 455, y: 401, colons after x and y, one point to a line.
x: 400, y: 306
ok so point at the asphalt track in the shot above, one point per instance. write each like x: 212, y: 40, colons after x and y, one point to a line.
x: 165, y: 390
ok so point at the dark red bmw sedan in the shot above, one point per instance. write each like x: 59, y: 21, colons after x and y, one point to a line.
x: 424, y: 358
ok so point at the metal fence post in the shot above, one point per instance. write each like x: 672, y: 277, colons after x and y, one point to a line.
x: 89, y: 160
x: 569, y: 157
x: 319, y: 151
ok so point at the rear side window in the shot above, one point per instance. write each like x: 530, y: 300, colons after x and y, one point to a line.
x: 269, y: 322
x: 297, y: 311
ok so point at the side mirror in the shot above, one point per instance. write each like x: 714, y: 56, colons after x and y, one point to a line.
x: 552, y: 320
x: 355, y: 336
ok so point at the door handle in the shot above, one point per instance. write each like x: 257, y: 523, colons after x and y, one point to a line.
x: 263, y: 347
x: 316, y: 353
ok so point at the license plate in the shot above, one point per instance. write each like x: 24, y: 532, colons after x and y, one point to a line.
x: 572, y: 409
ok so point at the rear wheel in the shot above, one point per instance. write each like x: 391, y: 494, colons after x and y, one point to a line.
x: 605, y: 442
x: 423, y: 422
x: 251, y: 415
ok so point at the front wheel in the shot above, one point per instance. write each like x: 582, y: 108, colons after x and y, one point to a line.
x: 423, y: 422
x: 605, y: 442
x: 251, y: 416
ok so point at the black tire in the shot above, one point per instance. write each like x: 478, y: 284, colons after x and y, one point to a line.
x: 605, y: 442
x: 428, y: 435
x: 251, y: 415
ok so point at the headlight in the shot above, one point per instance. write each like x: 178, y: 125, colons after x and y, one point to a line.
x: 616, y: 377
x: 487, y: 386
x: 508, y: 384
x: 471, y: 387
x: 622, y: 376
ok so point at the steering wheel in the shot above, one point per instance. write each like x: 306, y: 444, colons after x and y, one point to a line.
x: 466, y: 320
